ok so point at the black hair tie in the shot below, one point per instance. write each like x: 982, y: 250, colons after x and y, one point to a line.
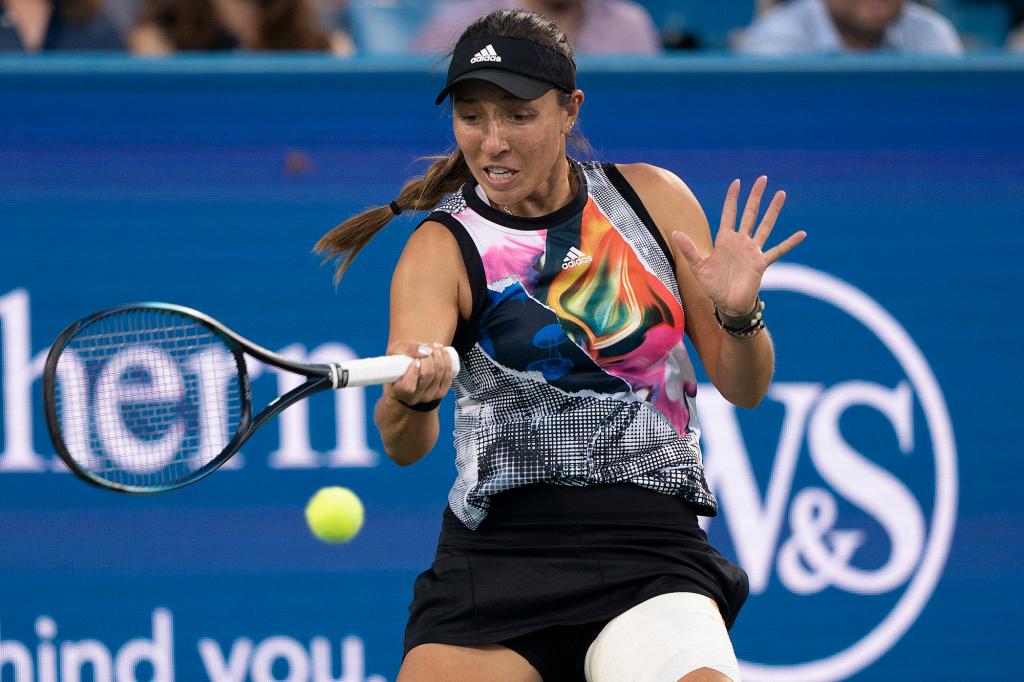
x: 395, y: 208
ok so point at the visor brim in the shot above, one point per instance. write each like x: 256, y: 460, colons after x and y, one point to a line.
x: 522, y: 87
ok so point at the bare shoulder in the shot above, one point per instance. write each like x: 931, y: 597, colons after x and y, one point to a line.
x: 431, y: 269
x: 659, y: 185
x: 668, y: 199
x: 432, y: 239
x: 431, y: 254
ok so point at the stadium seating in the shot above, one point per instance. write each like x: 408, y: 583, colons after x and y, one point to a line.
x: 387, y: 27
x: 982, y: 24
x: 709, y: 23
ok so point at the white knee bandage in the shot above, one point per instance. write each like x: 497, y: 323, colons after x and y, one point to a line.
x: 661, y: 640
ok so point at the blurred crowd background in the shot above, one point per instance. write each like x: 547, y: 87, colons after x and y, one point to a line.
x: 347, y: 28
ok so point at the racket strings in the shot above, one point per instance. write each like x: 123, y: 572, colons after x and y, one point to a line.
x: 99, y: 343
x: 147, y: 398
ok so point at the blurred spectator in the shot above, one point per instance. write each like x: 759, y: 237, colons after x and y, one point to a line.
x: 1015, y: 40
x: 833, y: 26
x: 593, y: 26
x: 169, y: 26
x: 50, y: 25
x: 702, y: 25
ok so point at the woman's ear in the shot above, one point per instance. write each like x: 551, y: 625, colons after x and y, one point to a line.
x: 572, y: 110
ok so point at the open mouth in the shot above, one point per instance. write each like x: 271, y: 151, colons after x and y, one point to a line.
x: 499, y: 174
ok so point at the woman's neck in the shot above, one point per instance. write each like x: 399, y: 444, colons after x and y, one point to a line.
x: 553, y: 194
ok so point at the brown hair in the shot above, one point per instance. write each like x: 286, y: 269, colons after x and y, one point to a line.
x: 79, y: 12
x: 196, y: 25
x: 188, y: 24
x: 289, y: 25
x: 446, y: 173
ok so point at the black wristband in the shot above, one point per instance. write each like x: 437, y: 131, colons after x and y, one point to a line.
x: 741, y: 321
x: 746, y: 326
x: 428, y: 406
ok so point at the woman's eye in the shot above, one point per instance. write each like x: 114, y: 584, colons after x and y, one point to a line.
x: 521, y: 117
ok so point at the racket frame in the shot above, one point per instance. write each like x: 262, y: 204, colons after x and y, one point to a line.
x: 320, y: 377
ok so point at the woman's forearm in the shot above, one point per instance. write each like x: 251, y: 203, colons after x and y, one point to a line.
x: 408, y: 435
x: 744, y: 368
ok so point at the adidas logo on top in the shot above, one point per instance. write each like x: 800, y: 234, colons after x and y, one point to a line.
x: 575, y: 257
x: 485, y: 55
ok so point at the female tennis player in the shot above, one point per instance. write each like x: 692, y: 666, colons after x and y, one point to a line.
x: 570, y: 548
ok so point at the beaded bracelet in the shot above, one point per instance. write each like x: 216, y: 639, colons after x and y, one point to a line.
x: 745, y: 326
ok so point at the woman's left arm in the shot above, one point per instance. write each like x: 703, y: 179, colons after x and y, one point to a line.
x: 725, y: 274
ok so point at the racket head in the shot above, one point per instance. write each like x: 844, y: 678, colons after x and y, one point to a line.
x: 146, y: 397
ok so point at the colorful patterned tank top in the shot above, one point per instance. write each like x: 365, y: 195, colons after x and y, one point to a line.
x: 574, y: 370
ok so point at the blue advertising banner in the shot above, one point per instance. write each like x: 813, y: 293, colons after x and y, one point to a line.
x: 871, y: 498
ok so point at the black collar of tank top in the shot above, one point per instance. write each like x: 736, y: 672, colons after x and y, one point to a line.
x: 543, y: 222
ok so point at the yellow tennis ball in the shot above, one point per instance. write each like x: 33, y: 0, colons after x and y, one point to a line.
x: 334, y: 514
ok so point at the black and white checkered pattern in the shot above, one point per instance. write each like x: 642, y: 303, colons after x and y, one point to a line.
x: 453, y: 203
x: 513, y: 430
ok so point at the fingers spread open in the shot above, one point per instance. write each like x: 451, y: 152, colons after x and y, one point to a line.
x: 782, y: 249
x: 753, y: 206
x: 688, y: 249
x: 728, y: 222
x: 764, y: 230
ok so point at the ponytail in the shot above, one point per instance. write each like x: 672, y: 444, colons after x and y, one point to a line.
x: 341, y: 244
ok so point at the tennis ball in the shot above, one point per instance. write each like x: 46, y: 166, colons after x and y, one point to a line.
x: 334, y: 514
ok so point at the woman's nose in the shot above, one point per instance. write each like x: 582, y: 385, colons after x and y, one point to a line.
x: 494, y: 139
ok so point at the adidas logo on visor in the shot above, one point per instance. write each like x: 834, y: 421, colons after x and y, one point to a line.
x: 486, y: 55
x: 575, y: 257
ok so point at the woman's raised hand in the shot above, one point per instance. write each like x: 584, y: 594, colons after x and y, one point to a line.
x: 731, y: 273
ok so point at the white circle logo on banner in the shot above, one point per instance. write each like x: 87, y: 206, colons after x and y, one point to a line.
x: 828, y: 289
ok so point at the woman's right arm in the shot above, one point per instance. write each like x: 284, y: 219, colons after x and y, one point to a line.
x: 429, y: 291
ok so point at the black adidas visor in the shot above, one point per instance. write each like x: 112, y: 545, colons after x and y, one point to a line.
x: 520, y: 67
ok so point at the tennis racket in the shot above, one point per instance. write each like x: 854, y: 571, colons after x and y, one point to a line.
x: 151, y: 397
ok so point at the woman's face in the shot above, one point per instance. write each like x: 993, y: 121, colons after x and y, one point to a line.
x: 513, y: 147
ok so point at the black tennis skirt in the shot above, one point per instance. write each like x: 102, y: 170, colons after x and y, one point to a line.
x: 549, y: 555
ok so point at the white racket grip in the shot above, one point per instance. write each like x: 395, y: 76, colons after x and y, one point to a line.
x: 385, y: 369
